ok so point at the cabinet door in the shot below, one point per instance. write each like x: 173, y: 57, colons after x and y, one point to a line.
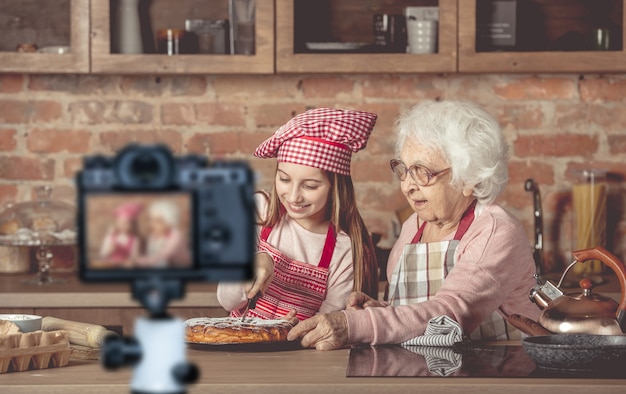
x: 551, y: 36
x: 289, y: 59
x: 162, y: 14
x: 59, y: 29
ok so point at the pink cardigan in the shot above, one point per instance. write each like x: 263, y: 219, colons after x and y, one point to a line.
x: 493, y: 270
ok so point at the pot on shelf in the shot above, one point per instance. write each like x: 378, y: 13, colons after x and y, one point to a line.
x: 583, y: 312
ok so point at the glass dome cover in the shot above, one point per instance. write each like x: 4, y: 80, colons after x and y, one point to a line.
x: 40, y: 222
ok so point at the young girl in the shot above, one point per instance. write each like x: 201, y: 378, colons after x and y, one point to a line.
x: 314, y: 249
x: 122, y: 241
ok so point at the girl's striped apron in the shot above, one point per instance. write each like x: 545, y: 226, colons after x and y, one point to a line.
x: 296, y: 285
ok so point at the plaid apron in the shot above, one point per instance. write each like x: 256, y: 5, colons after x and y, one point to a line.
x: 424, y: 266
x: 296, y: 285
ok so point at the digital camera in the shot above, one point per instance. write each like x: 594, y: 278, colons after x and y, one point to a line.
x: 144, y: 213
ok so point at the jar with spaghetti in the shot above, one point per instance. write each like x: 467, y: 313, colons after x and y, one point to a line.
x: 589, y: 199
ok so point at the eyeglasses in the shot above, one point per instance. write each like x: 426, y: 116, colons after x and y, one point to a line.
x: 420, y: 174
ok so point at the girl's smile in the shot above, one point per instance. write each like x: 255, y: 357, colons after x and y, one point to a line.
x: 303, y: 191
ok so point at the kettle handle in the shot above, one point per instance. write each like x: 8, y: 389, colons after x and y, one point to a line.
x: 608, y: 258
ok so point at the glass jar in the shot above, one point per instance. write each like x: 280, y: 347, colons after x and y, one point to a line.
x: 589, y: 199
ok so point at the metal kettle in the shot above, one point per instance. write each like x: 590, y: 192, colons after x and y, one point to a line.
x: 588, y: 313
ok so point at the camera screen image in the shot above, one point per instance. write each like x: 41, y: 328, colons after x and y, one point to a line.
x: 137, y: 231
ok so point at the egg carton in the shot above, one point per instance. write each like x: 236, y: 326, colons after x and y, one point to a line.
x: 34, y: 350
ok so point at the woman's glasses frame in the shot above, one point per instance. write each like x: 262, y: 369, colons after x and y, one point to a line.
x: 423, y: 176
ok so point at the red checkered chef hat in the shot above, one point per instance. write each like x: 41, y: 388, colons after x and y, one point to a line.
x: 322, y: 138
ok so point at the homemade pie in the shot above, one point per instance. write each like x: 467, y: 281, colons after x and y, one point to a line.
x: 231, y: 330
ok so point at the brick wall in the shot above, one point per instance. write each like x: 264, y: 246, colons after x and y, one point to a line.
x: 554, y: 124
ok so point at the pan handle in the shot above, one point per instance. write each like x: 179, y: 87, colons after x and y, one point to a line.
x: 608, y: 258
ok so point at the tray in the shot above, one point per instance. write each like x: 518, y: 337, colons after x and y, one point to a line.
x: 247, y: 347
x: 334, y: 46
x: 34, y: 350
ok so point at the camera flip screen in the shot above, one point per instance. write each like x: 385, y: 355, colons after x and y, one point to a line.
x: 139, y: 231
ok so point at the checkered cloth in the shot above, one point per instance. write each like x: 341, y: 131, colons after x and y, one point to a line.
x: 322, y: 138
x: 423, y: 271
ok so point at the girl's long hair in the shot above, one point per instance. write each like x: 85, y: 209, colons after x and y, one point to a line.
x: 344, y: 215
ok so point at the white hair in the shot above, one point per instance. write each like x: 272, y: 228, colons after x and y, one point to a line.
x: 468, y: 137
x: 166, y: 210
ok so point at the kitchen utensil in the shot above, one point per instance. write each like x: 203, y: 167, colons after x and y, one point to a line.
x: 212, y: 34
x: 589, y: 196
x: 577, y: 352
x: 583, y: 312
x: 42, y: 223
x: 129, y: 27
x: 390, y: 32
x: 247, y: 347
x: 175, y: 42
x: 421, y: 35
x: 251, y: 305
x: 242, y: 26
x: 26, y: 323
x: 531, y: 186
x: 334, y: 46
x: 56, y: 49
x: 84, y: 334
x: 14, y: 259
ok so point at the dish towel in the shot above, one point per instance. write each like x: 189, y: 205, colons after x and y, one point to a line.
x: 441, y: 333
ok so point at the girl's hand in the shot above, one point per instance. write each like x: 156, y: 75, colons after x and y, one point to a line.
x: 264, y: 274
x: 358, y: 300
x: 323, y: 332
x: 291, y: 317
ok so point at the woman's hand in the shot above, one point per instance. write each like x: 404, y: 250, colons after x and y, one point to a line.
x: 323, y: 332
x: 358, y: 300
x: 264, y: 274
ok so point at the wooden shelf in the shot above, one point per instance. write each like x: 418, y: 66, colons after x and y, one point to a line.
x: 545, y: 61
x: 77, y: 61
x: 103, y: 61
x: 287, y: 61
x: 90, y: 40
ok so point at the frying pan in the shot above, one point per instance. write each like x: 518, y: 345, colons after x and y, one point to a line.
x: 582, y: 352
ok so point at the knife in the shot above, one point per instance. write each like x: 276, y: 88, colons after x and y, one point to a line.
x: 251, y: 305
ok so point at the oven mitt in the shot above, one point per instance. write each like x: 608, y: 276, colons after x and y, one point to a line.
x: 441, y: 331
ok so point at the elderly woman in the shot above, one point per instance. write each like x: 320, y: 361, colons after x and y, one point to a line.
x: 459, y: 255
x: 166, y: 246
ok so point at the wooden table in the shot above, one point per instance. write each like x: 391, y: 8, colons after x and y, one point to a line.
x: 108, y: 304
x: 301, y: 371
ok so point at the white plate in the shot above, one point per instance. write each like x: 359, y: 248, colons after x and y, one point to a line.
x: 334, y: 46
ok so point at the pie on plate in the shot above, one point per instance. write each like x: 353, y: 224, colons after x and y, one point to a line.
x: 231, y: 330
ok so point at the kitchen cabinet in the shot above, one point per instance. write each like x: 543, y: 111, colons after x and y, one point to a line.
x: 172, y: 14
x: 548, y: 22
x: 356, y: 15
x: 45, y: 24
x: 279, y: 51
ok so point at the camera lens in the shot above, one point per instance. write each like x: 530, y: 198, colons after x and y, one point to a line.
x: 145, y: 167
